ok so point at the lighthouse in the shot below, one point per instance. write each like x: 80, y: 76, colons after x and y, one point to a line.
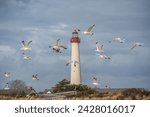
x: 75, y: 59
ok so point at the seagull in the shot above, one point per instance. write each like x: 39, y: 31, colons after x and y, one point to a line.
x: 6, y: 86
x: 94, y: 81
x: 103, y: 56
x: 56, y: 47
x: 69, y: 62
x: 106, y: 86
x: 25, y: 57
x: 118, y: 39
x: 74, y: 62
x: 99, y: 48
x: 7, y: 75
x: 34, y: 77
x: 136, y: 44
x: 88, y: 31
x: 25, y: 45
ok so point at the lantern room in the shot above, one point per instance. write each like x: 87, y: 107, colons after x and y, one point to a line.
x: 75, y: 38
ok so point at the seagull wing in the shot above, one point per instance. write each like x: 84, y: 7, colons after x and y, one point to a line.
x: 109, y: 58
x: 8, y: 73
x: 94, y: 80
x: 133, y: 46
x: 29, y: 43
x: 57, y: 41
x: 101, y: 47
x: 97, y: 47
x: 28, y: 57
x: 23, y: 43
x: 90, y: 28
x: 67, y: 64
x: 62, y: 46
x: 116, y: 39
x: 141, y: 44
x: 122, y: 40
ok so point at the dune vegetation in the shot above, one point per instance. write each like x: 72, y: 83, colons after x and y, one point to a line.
x: 80, y: 92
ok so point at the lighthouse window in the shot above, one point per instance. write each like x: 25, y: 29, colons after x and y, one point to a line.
x: 75, y: 35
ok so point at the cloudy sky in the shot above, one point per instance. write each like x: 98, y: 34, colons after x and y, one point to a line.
x: 44, y: 21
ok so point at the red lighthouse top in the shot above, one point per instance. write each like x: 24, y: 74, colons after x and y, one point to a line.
x: 75, y: 38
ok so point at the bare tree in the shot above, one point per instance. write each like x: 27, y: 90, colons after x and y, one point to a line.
x: 17, y: 85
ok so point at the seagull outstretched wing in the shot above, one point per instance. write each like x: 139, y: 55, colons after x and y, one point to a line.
x: 62, y: 46
x: 57, y: 41
x: 98, y: 46
x: 133, y: 46
x: 69, y: 62
x: 90, y: 28
x: 29, y: 43
x: 23, y: 43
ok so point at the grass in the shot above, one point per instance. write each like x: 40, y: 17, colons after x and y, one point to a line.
x: 128, y: 94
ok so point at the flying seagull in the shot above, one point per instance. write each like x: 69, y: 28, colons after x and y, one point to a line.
x: 88, y: 31
x: 118, y: 39
x: 57, y: 47
x: 103, y: 56
x: 25, y: 57
x: 68, y: 63
x: 25, y: 45
x: 7, y: 75
x: 136, y: 44
x: 94, y: 81
x: 34, y: 77
x: 74, y: 63
x: 6, y: 87
x: 99, y: 48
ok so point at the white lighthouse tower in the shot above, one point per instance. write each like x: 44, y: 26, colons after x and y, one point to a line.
x: 75, y: 59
